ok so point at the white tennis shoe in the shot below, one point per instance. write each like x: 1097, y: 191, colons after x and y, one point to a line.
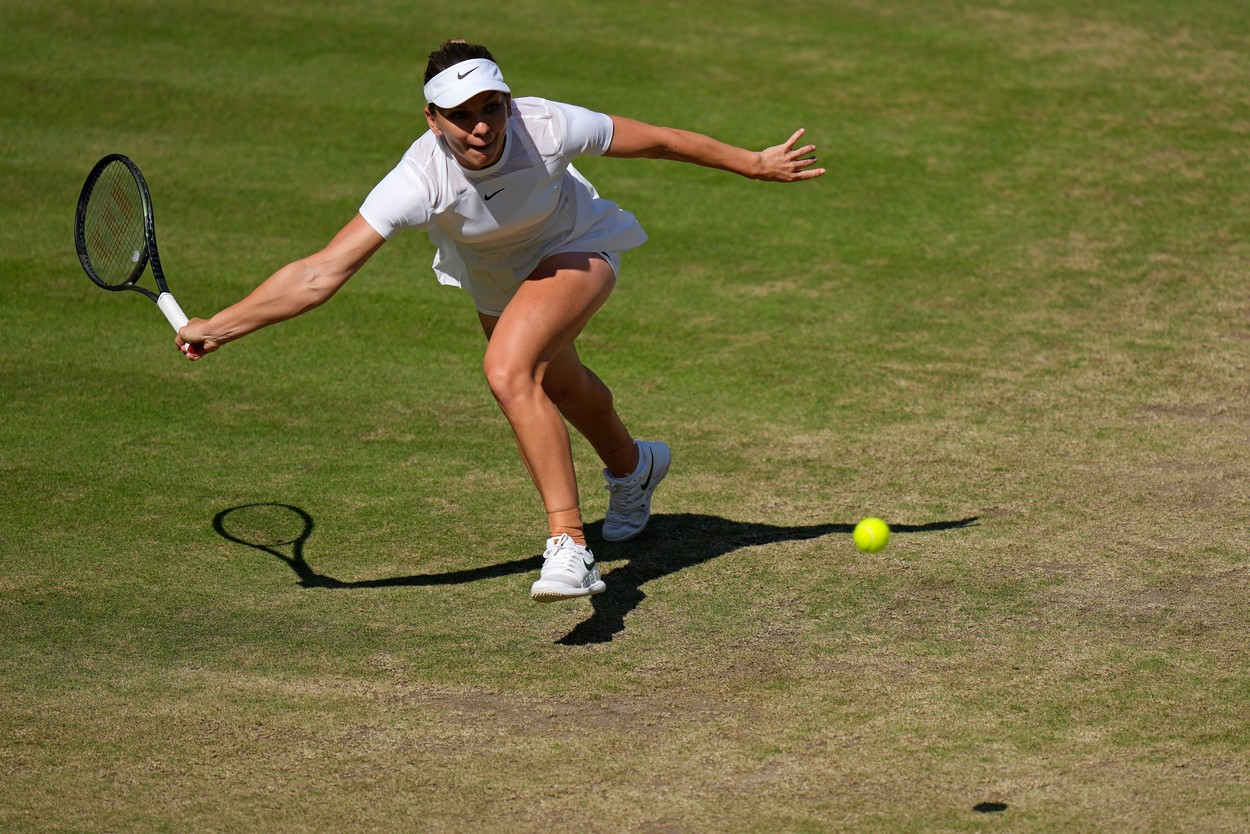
x: 568, y: 571
x: 629, y: 501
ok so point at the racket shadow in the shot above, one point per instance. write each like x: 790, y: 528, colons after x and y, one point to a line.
x: 672, y: 543
x: 281, y: 530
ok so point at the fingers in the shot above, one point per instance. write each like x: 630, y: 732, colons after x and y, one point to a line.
x: 191, y: 347
x: 790, y: 151
x: 793, y: 164
x: 798, y: 134
x: 804, y: 169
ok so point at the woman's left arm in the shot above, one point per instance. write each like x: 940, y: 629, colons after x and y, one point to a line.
x: 633, y: 139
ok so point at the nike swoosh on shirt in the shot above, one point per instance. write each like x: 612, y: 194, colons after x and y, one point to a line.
x: 492, y: 196
x: 462, y: 75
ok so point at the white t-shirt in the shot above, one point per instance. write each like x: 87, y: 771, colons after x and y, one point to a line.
x: 494, y: 226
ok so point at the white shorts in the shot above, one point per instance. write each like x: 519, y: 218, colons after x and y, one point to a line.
x: 492, y: 290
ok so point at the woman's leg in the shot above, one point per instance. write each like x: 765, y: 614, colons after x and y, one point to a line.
x: 586, y: 402
x: 531, y: 350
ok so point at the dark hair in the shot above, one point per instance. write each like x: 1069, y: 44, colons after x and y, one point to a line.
x: 451, y: 53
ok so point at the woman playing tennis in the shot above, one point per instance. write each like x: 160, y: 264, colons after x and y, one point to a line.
x: 493, y: 184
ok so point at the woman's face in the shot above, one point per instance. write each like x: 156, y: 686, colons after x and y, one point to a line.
x: 475, y: 130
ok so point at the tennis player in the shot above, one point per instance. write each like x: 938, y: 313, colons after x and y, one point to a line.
x: 493, y: 184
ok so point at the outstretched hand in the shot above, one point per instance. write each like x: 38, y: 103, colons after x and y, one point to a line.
x: 786, y: 163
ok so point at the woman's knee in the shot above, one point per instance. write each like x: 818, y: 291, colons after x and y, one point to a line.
x: 508, y: 380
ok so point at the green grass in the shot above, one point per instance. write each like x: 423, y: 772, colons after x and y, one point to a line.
x: 1011, y: 320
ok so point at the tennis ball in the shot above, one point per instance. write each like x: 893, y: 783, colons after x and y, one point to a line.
x: 872, y: 535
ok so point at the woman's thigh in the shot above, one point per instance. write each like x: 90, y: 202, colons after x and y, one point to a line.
x: 548, y: 312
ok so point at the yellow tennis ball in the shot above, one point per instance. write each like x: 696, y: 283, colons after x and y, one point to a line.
x: 872, y: 535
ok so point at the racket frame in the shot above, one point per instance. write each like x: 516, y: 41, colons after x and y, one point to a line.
x: 149, y: 254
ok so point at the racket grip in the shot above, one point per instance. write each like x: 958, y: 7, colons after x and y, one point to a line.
x: 171, y: 310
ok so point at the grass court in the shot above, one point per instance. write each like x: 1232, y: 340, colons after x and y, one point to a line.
x: 286, y: 588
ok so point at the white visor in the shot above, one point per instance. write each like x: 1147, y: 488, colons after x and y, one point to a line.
x: 456, y: 85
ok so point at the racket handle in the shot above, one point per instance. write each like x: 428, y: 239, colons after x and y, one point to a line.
x: 171, y: 310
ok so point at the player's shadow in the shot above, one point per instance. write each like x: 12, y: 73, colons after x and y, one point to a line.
x: 675, y: 542
x: 670, y: 544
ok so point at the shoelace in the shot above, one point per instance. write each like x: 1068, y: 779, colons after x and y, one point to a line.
x: 625, y: 498
x: 564, y: 557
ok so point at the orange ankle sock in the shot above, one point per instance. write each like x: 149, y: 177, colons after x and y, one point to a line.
x: 568, y: 522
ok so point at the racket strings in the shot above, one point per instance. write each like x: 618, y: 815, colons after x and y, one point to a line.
x: 113, y: 225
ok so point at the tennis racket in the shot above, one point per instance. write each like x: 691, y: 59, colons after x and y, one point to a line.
x: 115, y: 234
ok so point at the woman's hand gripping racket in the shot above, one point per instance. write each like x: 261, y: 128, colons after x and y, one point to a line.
x: 116, y: 236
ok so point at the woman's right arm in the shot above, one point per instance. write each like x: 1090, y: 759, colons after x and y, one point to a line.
x: 295, y: 288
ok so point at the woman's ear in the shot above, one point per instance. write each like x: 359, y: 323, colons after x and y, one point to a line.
x: 431, y: 120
